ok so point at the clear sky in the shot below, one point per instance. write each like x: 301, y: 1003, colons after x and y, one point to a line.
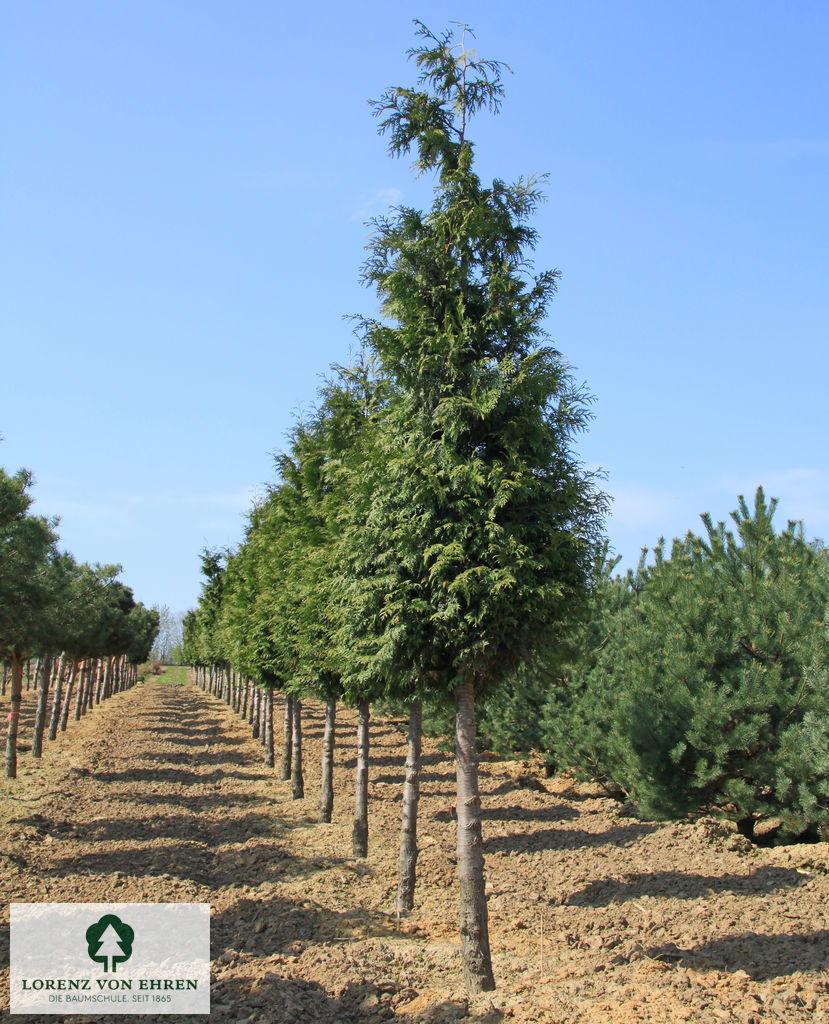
x: 184, y: 191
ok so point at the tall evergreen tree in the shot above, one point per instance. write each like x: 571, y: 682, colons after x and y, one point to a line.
x: 477, y: 538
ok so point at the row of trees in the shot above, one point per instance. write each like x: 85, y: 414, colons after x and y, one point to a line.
x: 82, y: 623
x: 431, y: 529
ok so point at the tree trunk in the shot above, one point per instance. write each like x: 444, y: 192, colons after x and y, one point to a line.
x: 56, y: 703
x: 83, y: 682
x: 92, y: 686
x: 297, y: 782
x: 42, y: 699
x: 473, y: 922
x: 327, y: 786
x: 269, y: 760
x: 3, y: 686
x: 407, y: 862
x: 254, y: 712
x: 13, y: 719
x: 77, y: 674
x: 359, y: 833
x: 107, y: 690
x: 287, y: 733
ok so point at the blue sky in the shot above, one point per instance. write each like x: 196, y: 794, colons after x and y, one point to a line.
x: 183, y: 196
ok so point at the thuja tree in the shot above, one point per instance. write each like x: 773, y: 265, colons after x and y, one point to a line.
x: 327, y: 458
x: 476, y: 543
x: 244, y: 651
x: 709, y: 690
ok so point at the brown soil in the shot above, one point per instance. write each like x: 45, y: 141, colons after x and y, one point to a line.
x: 161, y: 795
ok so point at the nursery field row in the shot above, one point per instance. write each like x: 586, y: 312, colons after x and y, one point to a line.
x: 161, y: 795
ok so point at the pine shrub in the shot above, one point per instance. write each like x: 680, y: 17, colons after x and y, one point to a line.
x: 704, y: 682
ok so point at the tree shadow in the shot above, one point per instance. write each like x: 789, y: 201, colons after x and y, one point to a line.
x: 678, y: 885
x: 211, y: 757
x: 176, y: 776
x: 191, y: 734
x: 282, y: 999
x: 197, y: 859
x: 566, y: 839
x: 761, y: 956
x: 515, y: 812
x: 194, y: 801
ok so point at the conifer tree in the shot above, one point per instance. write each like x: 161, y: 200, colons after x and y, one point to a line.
x: 478, y: 535
x: 27, y: 556
x: 708, y: 691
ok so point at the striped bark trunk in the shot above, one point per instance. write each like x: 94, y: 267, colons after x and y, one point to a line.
x: 254, y: 712
x: 287, y: 734
x: 13, y: 720
x: 269, y: 760
x: 297, y: 781
x: 327, y: 785
x: 473, y: 920
x: 359, y: 833
x: 407, y: 862
x: 42, y: 700
x: 54, y: 721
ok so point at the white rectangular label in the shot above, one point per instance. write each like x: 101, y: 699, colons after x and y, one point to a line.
x: 110, y: 958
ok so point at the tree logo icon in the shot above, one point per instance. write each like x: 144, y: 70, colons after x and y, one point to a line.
x: 109, y: 941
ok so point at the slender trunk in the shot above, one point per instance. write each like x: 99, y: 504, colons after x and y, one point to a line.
x: 108, y: 678
x: 269, y: 760
x: 92, y: 685
x: 327, y: 787
x: 407, y: 863
x: 254, y: 712
x: 67, y: 700
x: 56, y: 703
x: 287, y: 732
x: 243, y: 707
x: 42, y: 699
x: 297, y: 782
x: 99, y: 684
x: 359, y: 833
x: 473, y: 921
x: 13, y: 719
x: 82, y: 685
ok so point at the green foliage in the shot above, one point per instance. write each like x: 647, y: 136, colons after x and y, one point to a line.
x: 707, y: 689
x: 29, y: 569
x: 474, y: 545
x: 49, y: 602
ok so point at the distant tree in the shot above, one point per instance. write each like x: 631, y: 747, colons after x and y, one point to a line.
x: 27, y: 589
x: 169, y: 636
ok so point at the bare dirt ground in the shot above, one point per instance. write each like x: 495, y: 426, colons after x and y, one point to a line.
x: 161, y: 795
